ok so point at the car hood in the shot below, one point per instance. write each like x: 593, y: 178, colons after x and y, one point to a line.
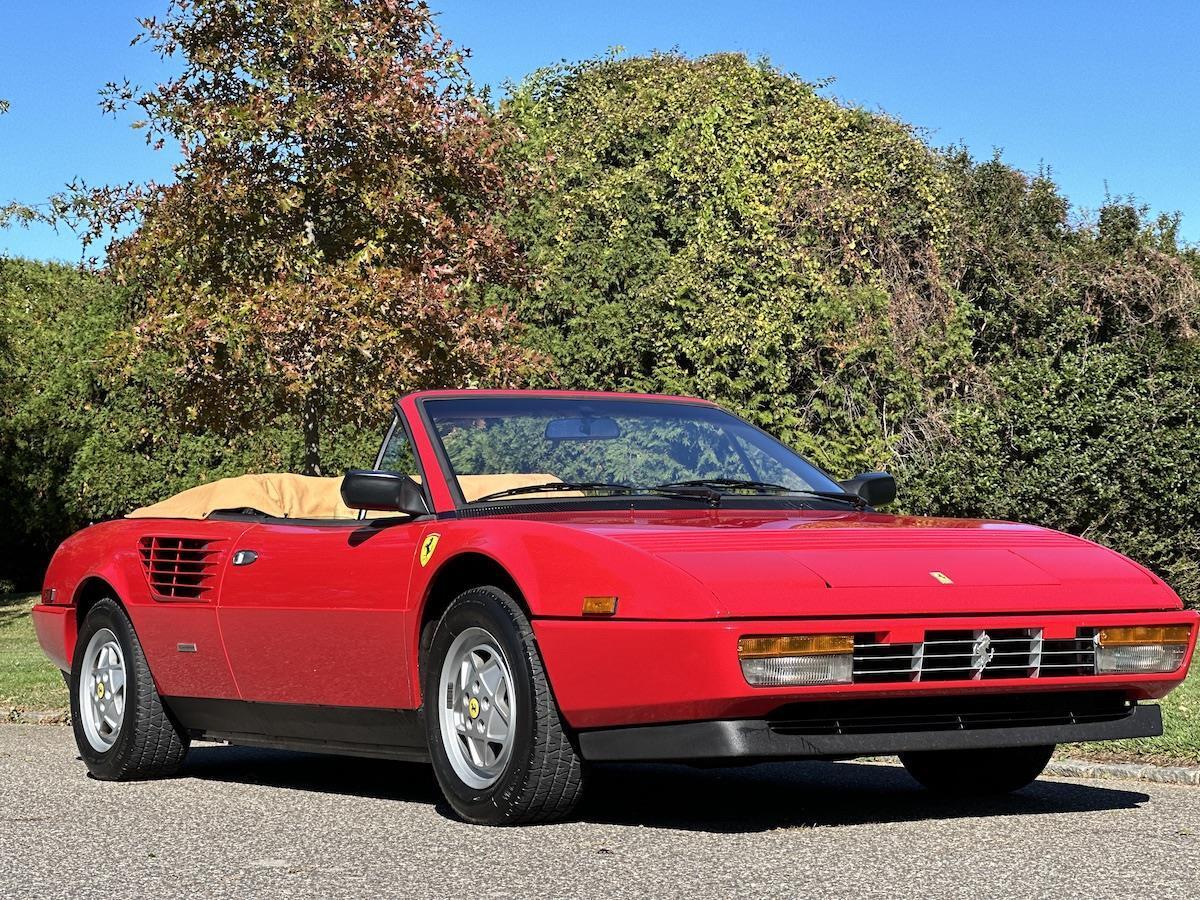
x: 786, y: 563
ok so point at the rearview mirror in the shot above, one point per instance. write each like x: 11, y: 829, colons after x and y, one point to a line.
x: 383, y: 491
x: 875, y: 488
x: 583, y: 429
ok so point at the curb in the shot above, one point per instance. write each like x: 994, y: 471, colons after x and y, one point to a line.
x: 1078, y: 768
x: 1082, y: 768
x: 39, y: 717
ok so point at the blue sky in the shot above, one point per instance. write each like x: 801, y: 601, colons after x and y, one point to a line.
x: 1105, y: 94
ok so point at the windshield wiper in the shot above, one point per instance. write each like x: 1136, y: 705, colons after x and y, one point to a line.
x: 703, y: 489
x: 766, y: 487
x: 553, y: 486
x: 693, y: 492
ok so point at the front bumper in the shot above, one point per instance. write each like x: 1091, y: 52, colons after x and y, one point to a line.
x: 615, y: 673
x: 840, y: 731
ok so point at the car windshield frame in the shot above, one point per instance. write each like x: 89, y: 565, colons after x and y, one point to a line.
x: 670, y: 500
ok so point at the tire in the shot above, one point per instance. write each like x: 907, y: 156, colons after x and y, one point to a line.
x: 533, y: 774
x: 145, y: 742
x: 977, y: 773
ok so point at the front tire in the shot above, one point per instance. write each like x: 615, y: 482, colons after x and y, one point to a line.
x: 500, y: 750
x: 121, y: 728
x: 977, y: 773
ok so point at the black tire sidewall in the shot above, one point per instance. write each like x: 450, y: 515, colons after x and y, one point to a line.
x: 110, y: 763
x: 494, y: 612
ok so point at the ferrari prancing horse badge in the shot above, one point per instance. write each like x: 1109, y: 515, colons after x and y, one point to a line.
x: 428, y: 547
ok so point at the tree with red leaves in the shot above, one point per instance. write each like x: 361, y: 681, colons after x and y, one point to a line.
x: 330, y: 237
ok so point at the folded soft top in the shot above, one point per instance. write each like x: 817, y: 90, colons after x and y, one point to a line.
x: 282, y: 495
x: 287, y: 496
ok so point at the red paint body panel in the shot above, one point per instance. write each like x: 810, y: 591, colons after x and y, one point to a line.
x: 108, y: 553
x: 330, y: 613
x: 55, y: 630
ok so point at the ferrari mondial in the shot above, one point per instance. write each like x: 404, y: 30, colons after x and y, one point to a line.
x: 529, y: 582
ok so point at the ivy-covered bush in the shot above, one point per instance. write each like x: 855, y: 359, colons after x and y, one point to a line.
x: 1084, y: 414
x: 716, y: 227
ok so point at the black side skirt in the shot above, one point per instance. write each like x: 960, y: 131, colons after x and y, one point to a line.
x: 764, y: 739
x: 354, y: 731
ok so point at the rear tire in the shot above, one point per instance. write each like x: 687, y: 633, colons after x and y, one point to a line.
x: 500, y: 749
x: 977, y: 773
x: 121, y: 727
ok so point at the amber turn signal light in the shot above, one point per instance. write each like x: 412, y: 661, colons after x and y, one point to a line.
x: 797, y: 659
x: 1141, y: 649
x: 599, y: 606
x: 795, y: 645
x: 1144, y: 634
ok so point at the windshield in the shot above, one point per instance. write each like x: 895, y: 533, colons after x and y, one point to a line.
x: 535, y: 448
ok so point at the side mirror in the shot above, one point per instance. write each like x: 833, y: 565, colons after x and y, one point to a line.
x: 875, y: 488
x: 385, y: 491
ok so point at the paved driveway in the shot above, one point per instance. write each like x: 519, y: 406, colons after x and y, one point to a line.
x: 241, y: 823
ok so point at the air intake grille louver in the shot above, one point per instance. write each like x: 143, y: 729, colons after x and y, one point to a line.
x: 967, y: 655
x: 961, y: 713
x: 179, y: 568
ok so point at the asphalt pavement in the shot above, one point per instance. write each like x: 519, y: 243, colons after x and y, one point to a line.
x: 243, y: 823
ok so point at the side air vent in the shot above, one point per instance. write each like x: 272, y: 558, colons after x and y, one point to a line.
x: 179, y: 568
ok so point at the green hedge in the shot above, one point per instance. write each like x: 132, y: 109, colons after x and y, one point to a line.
x: 717, y: 227
x: 55, y: 324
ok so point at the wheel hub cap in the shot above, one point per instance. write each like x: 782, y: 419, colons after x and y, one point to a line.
x: 102, y: 690
x: 477, y: 710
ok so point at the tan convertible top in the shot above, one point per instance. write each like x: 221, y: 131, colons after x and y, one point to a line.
x: 287, y: 496
x: 275, y: 494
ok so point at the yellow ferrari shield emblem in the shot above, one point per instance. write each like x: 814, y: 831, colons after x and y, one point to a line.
x: 473, y: 708
x: 941, y: 577
x: 100, y: 691
x: 427, y: 548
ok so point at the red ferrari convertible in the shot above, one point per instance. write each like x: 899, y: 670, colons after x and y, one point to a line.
x: 528, y: 582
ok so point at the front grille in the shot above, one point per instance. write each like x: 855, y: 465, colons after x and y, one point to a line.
x: 973, y: 654
x: 179, y: 568
x: 948, y: 713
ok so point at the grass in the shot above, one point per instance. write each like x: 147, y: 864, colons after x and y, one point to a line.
x: 28, y: 681
x: 1179, y: 744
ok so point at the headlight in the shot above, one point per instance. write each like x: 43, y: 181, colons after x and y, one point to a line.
x: 1141, y: 649
x: 778, y: 660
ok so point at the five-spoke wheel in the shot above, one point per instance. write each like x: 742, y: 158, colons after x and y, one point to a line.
x: 122, y: 729
x: 501, y: 751
x: 102, y: 690
x: 477, y: 717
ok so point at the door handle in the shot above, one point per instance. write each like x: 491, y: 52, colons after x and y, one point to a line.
x: 244, y: 557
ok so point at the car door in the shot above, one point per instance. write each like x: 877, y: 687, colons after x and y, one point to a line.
x: 318, y: 617
x: 316, y: 612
